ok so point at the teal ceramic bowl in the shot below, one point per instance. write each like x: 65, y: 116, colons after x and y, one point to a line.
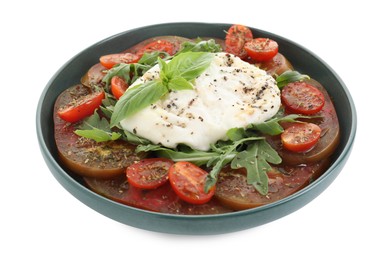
x: 303, y: 60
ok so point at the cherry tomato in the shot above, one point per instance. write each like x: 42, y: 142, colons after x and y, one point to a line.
x: 261, y: 49
x: 118, y: 86
x: 302, y: 98
x: 81, y: 107
x: 236, y: 38
x: 159, y: 45
x: 188, y: 181
x: 300, y: 137
x: 149, y: 173
x: 110, y: 60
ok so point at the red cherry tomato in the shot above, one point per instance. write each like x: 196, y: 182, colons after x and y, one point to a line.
x: 118, y: 86
x: 261, y: 49
x: 110, y: 60
x: 236, y: 38
x: 82, y: 107
x: 302, y: 98
x: 159, y: 45
x: 149, y: 173
x: 188, y: 181
x: 300, y: 137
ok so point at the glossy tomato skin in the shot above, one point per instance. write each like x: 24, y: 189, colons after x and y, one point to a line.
x: 300, y: 137
x: 327, y: 120
x: 118, y: 86
x: 302, y: 98
x: 110, y: 60
x: 261, y: 49
x: 176, y: 42
x: 86, y: 157
x: 188, y: 181
x: 162, y: 199
x: 236, y: 38
x: 149, y: 173
x: 234, y: 192
x: 81, y: 107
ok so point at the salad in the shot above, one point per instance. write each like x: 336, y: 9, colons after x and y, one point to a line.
x: 196, y: 126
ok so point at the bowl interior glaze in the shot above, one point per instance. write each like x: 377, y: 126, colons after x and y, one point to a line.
x: 303, y: 60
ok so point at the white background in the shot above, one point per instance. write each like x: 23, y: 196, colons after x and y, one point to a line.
x: 39, y: 219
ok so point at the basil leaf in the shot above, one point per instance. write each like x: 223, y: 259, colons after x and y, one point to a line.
x: 288, y: 77
x: 188, y: 65
x: 179, y: 83
x: 136, y: 99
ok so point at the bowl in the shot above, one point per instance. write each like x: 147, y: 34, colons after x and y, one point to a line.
x: 71, y: 72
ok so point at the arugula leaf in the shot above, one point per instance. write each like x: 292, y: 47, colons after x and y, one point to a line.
x: 189, y: 155
x: 255, y: 159
x: 288, y: 77
x: 273, y: 127
x: 228, y: 154
x: 201, y: 46
x: 135, y: 139
x: 150, y: 58
x: 97, y: 129
x: 137, y: 98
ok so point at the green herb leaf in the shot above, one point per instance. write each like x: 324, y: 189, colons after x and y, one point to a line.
x: 151, y: 58
x: 273, y: 127
x: 189, y: 155
x: 201, y: 46
x: 137, y: 98
x: 173, y: 76
x: 255, y: 159
x: 135, y: 139
x: 188, y: 65
x: 179, y: 83
x: 288, y: 77
x: 228, y: 153
x: 97, y: 129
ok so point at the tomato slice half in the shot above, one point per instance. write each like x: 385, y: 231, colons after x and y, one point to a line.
x: 261, y: 49
x: 188, y: 181
x: 236, y: 38
x: 111, y: 60
x: 300, y: 137
x: 302, y: 98
x: 118, y: 86
x: 82, y: 107
x: 158, y: 45
x: 149, y: 173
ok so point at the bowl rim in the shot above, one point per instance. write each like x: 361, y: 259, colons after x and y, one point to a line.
x: 49, y: 158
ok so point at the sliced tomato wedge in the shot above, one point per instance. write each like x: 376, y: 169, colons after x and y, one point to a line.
x: 158, y: 45
x: 261, y: 49
x: 111, y: 60
x: 118, y: 86
x: 149, y: 173
x: 81, y: 107
x: 188, y: 181
x: 300, y: 137
x: 236, y: 38
x: 302, y: 98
